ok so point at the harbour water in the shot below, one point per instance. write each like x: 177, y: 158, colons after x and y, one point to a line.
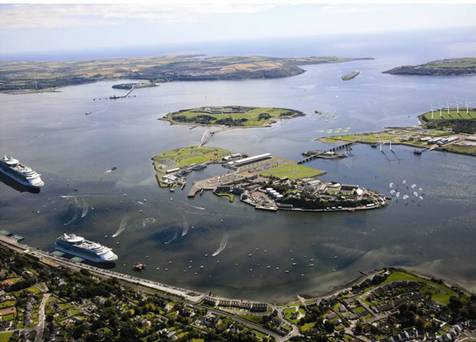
x: 176, y: 237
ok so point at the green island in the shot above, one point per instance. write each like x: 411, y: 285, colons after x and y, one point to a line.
x: 459, y: 120
x: 50, y: 298
x: 443, y: 67
x: 451, y: 130
x: 173, y: 164
x: 263, y: 181
x: 188, y: 156
x: 231, y: 116
x: 32, y: 76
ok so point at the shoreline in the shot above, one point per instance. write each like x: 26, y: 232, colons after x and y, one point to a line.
x: 196, y: 297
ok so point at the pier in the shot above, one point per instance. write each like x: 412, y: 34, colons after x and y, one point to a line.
x: 320, y: 154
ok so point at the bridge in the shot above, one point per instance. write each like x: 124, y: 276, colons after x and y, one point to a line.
x: 318, y: 154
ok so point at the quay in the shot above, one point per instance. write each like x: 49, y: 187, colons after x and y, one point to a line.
x: 195, y: 298
x: 322, y: 154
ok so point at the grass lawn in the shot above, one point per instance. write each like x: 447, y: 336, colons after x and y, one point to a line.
x: 358, y: 310
x: 471, y: 150
x: 241, y: 116
x: 386, y: 136
x: 229, y: 196
x: 452, y: 115
x: 253, y: 318
x: 307, y: 326
x: 259, y: 335
x: 5, y: 336
x: 292, y: 171
x: 290, y: 314
x: 440, y: 293
x: 7, y: 303
x: 187, y: 156
x: 8, y: 318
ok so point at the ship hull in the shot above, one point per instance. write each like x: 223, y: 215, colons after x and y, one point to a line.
x: 85, y: 256
x: 20, y: 180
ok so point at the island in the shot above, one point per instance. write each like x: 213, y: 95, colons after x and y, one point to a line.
x: 263, y: 181
x: 32, y: 76
x: 443, y: 67
x: 231, y: 116
x: 134, y: 85
x: 450, y: 129
x: 45, y: 297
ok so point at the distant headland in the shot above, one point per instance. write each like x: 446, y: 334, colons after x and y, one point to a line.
x: 443, y: 67
x: 31, y: 76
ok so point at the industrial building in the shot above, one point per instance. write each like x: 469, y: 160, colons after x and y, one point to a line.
x: 249, y: 160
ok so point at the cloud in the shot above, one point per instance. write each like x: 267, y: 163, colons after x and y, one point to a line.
x: 86, y: 15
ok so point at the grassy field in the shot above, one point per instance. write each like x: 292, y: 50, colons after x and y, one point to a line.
x: 36, y: 75
x: 229, y: 196
x: 307, y: 326
x: 187, y: 156
x: 232, y: 116
x: 292, y: 171
x: 470, y: 150
x: 401, y: 136
x: 5, y: 336
x: 7, y: 304
x: 440, y: 293
x: 451, y: 115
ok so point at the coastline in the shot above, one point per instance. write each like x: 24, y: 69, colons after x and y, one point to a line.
x: 196, y: 297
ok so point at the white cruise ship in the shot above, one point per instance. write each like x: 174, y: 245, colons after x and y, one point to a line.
x: 91, y: 251
x: 20, y: 173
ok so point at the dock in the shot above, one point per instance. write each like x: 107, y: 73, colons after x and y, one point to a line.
x: 319, y: 154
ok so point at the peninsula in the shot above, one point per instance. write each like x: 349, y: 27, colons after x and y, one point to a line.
x: 449, y: 129
x: 263, y: 181
x: 443, y: 67
x: 17, y: 77
x: 232, y: 116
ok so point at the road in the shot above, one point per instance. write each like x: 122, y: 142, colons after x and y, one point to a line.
x: 247, y: 323
x: 40, y: 328
x: 189, y: 296
x: 295, y: 329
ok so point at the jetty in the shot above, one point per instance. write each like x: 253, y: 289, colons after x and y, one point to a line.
x: 311, y: 155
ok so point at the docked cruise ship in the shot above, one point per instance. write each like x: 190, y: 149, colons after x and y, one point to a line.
x: 20, y: 173
x: 91, y: 251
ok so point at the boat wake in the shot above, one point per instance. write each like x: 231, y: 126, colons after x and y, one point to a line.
x: 222, y: 246
x: 84, y: 207
x: 76, y: 213
x: 176, y: 234
x: 122, y: 226
x: 185, y: 226
x: 110, y: 170
x: 190, y: 205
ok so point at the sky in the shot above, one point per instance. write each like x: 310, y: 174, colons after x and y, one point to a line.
x: 68, y: 27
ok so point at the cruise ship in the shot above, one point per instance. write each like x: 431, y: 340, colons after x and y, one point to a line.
x: 20, y: 173
x: 91, y: 251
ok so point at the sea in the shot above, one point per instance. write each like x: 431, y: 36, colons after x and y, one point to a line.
x: 100, y: 181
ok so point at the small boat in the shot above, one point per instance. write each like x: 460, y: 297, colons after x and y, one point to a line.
x: 373, y: 145
x: 417, y: 152
x: 139, y: 267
